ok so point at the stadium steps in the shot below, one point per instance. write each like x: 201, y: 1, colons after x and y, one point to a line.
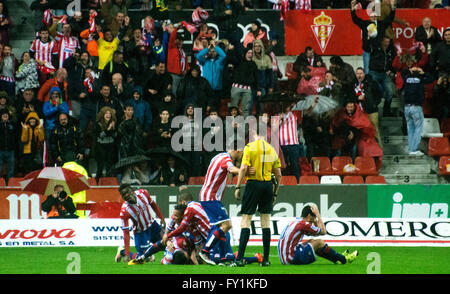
x: 22, y: 34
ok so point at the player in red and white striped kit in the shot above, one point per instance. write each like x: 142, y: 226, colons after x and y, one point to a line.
x: 45, y: 52
x: 137, y: 209
x: 292, y: 250
x: 212, y: 192
x: 288, y: 133
x: 67, y: 44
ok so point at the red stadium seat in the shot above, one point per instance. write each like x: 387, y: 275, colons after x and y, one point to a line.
x: 444, y: 161
x: 324, y: 166
x: 92, y: 182
x: 289, y: 180
x: 438, y: 146
x: 309, y: 180
x: 375, y: 180
x: 365, y: 166
x: 353, y: 180
x: 339, y: 162
x: 289, y: 71
x: 14, y: 182
x: 305, y: 166
x: 196, y: 180
x: 108, y: 181
x: 2, y: 182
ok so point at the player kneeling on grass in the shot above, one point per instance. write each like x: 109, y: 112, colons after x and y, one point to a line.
x: 147, y: 231
x: 292, y: 250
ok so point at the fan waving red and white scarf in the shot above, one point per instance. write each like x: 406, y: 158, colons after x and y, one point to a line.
x: 283, y: 6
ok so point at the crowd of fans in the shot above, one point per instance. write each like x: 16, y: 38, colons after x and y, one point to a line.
x: 100, y: 85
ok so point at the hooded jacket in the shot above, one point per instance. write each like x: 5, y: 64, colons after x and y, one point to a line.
x: 194, y: 90
x: 142, y: 109
x: 29, y: 134
x: 52, y: 110
x: 264, y: 65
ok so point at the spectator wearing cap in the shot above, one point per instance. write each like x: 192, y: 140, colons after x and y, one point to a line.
x: 177, y: 61
x: 245, y: 79
x: 142, y: 109
x: 8, y: 136
x: 256, y: 33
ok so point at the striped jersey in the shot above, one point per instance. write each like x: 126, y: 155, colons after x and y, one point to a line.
x: 288, y: 128
x: 216, y: 177
x: 292, y: 236
x: 194, y: 218
x: 138, y: 213
x: 66, y: 47
x: 44, y: 51
x: 180, y: 243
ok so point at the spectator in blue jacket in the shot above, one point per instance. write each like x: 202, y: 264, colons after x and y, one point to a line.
x: 51, y: 109
x: 142, y: 109
x: 212, y: 60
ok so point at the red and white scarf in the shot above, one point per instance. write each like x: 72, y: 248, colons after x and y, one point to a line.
x: 47, y: 19
x: 89, y: 83
x: 92, y: 22
x: 283, y: 6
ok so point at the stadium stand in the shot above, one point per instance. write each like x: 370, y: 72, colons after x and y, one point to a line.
x: 330, y: 180
x: 108, y: 181
x: 324, y: 166
x: 196, y: 180
x: 307, y: 180
x: 444, y: 165
x: 288, y: 180
x: 353, y: 180
x: 2, y: 182
x: 438, y: 146
x: 375, y: 180
x: 365, y: 166
x: 431, y: 128
x: 339, y: 165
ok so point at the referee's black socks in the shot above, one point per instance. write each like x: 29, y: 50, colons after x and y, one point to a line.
x: 266, y: 243
x: 243, y: 240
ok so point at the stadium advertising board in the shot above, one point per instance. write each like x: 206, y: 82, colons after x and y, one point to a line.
x: 332, y: 32
x: 333, y: 201
x: 341, y: 231
x: 409, y: 201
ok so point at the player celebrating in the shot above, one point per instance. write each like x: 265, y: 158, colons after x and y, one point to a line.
x: 136, y: 208
x: 212, y: 193
x: 292, y: 250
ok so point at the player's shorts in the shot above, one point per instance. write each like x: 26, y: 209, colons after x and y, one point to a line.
x: 304, y: 254
x: 143, y: 240
x: 216, y: 211
x: 259, y: 195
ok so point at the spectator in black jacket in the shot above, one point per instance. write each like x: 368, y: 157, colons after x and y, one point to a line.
x: 344, y: 73
x: 226, y: 16
x: 368, y: 96
x: 66, y: 142
x: 59, y: 204
x: 377, y: 31
x: 414, y: 93
x: 8, y: 137
x: 308, y: 58
x: 157, y: 85
x: 245, y: 79
x: 88, y: 98
x: 107, y: 100
x: 380, y: 66
x: 27, y: 103
x: 440, y: 56
x: 172, y: 175
x: 428, y: 35
x: 76, y: 66
x: 441, y: 96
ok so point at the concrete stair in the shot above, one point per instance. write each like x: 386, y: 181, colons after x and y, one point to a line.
x: 22, y: 34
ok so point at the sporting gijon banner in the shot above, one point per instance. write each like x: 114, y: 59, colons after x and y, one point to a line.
x: 332, y: 32
x: 341, y: 232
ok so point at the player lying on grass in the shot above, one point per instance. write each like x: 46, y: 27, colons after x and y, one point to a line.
x: 184, y: 243
x: 292, y: 250
x: 136, y: 208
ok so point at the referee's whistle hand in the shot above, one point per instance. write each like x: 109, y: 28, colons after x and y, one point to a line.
x: 237, y: 195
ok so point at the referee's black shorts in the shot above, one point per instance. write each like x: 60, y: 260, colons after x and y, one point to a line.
x: 257, y: 194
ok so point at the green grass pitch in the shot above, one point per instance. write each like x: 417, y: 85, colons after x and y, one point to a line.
x: 100, y: 260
